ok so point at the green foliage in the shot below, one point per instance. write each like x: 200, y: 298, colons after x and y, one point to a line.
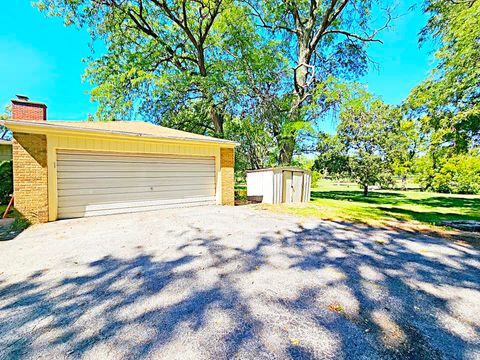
x: 316, y: 177
x: 240, y: 193
x: 459, y: 174
x: 446, y: 106
x: 447, y: 103
x: 367, y: 143
x: 19, y: 224
x: 257, y: 147
x: 201, y: 65
x: 6, y: 181
x: 333, y: 159
x: 167, y: 61
x: 5, y: 134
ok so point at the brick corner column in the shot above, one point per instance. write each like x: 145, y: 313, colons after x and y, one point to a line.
x: 227, y: 162
x: 30, y: 176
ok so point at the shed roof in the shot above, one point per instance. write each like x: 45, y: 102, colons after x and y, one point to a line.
x: 132, y: 128
x: 280, y: 168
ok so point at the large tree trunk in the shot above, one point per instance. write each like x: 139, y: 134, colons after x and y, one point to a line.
x: 286, y: 153
x: 365, y: 189
x: 286, y: 149
x: 287, y: 144
x: 301, y: 73
x: 217, y: 119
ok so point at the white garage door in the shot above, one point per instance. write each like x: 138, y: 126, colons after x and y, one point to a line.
x: 98, y: 184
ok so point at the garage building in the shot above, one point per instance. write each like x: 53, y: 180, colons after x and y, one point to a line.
x: 69, y: 169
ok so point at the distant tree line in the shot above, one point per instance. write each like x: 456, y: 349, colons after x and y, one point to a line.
x: 434, y: 136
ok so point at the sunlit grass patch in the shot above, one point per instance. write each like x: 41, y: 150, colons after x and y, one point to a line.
x: 384, y: 207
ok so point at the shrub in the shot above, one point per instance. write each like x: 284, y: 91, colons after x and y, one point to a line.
x: 240, y: 194
x: 6, y: 181
x: 458, y: 174
x: 316, y: 177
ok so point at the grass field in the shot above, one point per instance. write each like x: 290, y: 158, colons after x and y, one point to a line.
x: 347, y: 203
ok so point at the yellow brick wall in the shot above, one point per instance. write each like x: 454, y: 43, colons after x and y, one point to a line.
x: 30, y: 176
x: 227, y: 161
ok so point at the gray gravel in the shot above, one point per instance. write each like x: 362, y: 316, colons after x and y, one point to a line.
x: 224, y: 282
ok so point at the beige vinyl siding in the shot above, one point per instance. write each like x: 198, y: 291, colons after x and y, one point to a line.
x: 91, y: 184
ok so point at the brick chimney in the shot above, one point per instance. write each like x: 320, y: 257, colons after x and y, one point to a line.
x: 23, y: 109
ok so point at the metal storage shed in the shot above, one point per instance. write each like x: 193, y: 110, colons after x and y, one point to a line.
x: 279, y: 185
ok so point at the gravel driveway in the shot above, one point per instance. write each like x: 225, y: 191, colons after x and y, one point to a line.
x: 224, y: 282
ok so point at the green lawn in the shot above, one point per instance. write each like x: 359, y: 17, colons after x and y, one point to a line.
x: 347, y: 203
x: 20, y: 224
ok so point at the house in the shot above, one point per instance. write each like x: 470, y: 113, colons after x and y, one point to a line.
x: 5, y: 150
x: 69, y: 169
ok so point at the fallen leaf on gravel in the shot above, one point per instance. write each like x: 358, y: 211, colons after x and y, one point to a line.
x: 336, y: 308
x: 295, y: 342
x: 380, y: 242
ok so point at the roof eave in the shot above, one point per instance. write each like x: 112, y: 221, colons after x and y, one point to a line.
x: 42, y: 127
x: 279, y: 168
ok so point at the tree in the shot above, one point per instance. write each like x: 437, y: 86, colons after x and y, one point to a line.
x: 168, y: 61
x: 196, y: 65
x: 458, y: 174
x: 5, y: 134
x: 324, y: 39
x: 447, y: 103
x: 333, y: 159
x: 365, y: 144
x: 404, y: 145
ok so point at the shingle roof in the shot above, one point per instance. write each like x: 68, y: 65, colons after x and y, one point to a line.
x: 135, y: 128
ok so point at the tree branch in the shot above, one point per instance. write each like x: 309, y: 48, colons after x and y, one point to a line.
x: 327, y: 21
x: 370, y: 38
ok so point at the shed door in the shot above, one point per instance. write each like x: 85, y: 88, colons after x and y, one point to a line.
x: 98, y: 184
x: 297, y: 186
x: 287, y: 186
x: 292, y: 186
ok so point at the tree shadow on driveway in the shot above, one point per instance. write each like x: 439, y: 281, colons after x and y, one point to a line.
x: 317, y: 290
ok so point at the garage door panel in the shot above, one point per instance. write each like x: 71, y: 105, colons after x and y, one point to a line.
x: 82, y: 158
x: 132, y: 174
x: 102, y: 183
x: 134, y: 189
x: 99, y: 183
x: 113, y: 167
x: 119, y: 208
x: 87, y: 199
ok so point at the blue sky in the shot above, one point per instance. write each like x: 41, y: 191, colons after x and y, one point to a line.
x: 42, y: 58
